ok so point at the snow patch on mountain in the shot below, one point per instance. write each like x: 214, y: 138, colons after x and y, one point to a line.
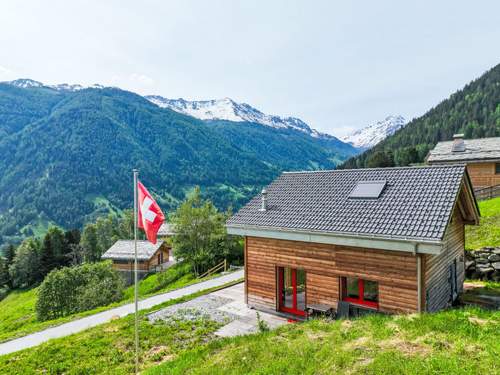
x: 228, y: 109
x: 370, y: 135
x: 26, y: 83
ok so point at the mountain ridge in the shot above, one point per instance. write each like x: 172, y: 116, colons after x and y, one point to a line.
x: 68, y: 156
x: 372, y: 134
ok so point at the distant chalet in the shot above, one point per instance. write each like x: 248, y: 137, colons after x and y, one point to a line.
x: 150, y: 258
x: 384, y: 239
x: 482, y: 157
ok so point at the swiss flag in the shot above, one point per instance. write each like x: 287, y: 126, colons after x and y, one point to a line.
x: 150, y: 217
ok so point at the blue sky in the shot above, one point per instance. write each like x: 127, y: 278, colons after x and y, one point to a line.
x: 338, y: 65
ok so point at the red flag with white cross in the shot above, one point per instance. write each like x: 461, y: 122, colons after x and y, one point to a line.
x: 150, y: 217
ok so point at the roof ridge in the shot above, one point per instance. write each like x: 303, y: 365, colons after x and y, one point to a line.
x: 470, y: 139
x: 458, y: 164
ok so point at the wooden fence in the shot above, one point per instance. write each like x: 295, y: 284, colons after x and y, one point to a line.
x: 488, y: 192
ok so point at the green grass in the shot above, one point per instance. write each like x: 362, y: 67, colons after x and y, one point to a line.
x: 462, y: 341
x: 18, y: 315
x: 109, y: 348
x: 488, y: 232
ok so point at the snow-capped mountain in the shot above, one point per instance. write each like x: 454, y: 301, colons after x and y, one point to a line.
x: 25, y: 83
x: 218, y: 109
x: 228, y: 109
x: 372, y: 134
x: 28, y: 83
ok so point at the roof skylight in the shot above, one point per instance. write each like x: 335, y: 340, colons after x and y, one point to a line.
x: 368, y: 189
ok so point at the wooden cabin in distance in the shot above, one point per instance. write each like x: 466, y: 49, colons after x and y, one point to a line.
x: 384, y: 239
x: 150, y: 258
x: 482, y: 157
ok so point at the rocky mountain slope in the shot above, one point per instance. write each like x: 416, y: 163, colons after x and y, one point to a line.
x: 372, y: 134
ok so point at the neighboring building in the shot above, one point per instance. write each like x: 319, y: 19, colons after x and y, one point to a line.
x: 482, y: 157
x: 150, y: 258
x: 386, y: 239
x: 166, y: 230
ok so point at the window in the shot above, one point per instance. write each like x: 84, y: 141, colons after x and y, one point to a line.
x: 497, y: 168
x: 359, y: 291
x: 368, y: 189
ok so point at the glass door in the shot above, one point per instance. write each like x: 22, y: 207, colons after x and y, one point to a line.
x: 292, y: 290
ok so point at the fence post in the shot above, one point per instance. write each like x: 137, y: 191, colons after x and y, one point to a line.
x: 225, y: 265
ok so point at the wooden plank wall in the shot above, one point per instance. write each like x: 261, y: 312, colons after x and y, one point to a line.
x: 483, y: 174
x: 437, y: 267
x: 396, y: 272
x: 144, y: 266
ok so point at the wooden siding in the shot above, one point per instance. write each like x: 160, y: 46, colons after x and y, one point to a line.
x: 129, y: 266
x: 154, y: 259
x: 396, y: 272
x: 483, y: 175
x: 437, y: 267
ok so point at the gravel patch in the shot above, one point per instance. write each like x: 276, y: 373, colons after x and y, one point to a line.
x: 203, y: 307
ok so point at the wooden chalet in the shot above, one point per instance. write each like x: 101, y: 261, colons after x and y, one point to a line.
x: 482, y: 157
x: 150, y: 258
x: 385, y: 239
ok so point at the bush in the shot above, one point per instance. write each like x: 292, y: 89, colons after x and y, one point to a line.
x: 74, y: 289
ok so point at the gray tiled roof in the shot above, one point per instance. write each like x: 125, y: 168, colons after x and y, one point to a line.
x: 166, y: 229
x: 416, y: 203
x: 124, y: 250
x: 475, y: 149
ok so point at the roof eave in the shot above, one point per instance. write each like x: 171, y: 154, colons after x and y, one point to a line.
x: 410, y: 245
x: 124, y: 257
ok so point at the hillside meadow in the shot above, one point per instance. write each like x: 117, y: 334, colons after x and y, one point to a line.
x: 457, y: 341
x: 488, y: 232
x: 18, y: 315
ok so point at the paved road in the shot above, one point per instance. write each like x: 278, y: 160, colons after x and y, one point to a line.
x: 105, y: 316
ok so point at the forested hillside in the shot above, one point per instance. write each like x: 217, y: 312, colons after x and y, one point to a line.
x: 474, y: 111
x: 67, y: 156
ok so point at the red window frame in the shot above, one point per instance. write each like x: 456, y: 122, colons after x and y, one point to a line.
x: 281, y: 304
x: 361, y: 293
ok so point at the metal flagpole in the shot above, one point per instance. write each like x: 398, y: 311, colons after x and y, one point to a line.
x: 136, y: 328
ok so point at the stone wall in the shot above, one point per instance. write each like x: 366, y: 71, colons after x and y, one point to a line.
x: 483, y: 264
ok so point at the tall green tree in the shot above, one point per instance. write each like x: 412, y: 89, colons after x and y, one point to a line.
x: 56, y: 247
x: 4, y: 273
x: 201, y: 238
x: 380, y: 159
x: 89, y: 243
x: 9, y: 253
x: 25, y: 268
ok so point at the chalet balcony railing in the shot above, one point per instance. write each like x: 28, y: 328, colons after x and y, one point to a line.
x: 487, y: 192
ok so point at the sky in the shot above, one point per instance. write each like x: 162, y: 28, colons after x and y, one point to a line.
x: 338, y: 65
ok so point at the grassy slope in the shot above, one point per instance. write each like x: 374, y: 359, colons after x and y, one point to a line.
x: 108, y: 348
x: 18, y: 316
x: 488, y: 232
x: 464, y: 341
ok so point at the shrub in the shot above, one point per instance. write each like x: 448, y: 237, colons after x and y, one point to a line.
x: 73, y: 289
